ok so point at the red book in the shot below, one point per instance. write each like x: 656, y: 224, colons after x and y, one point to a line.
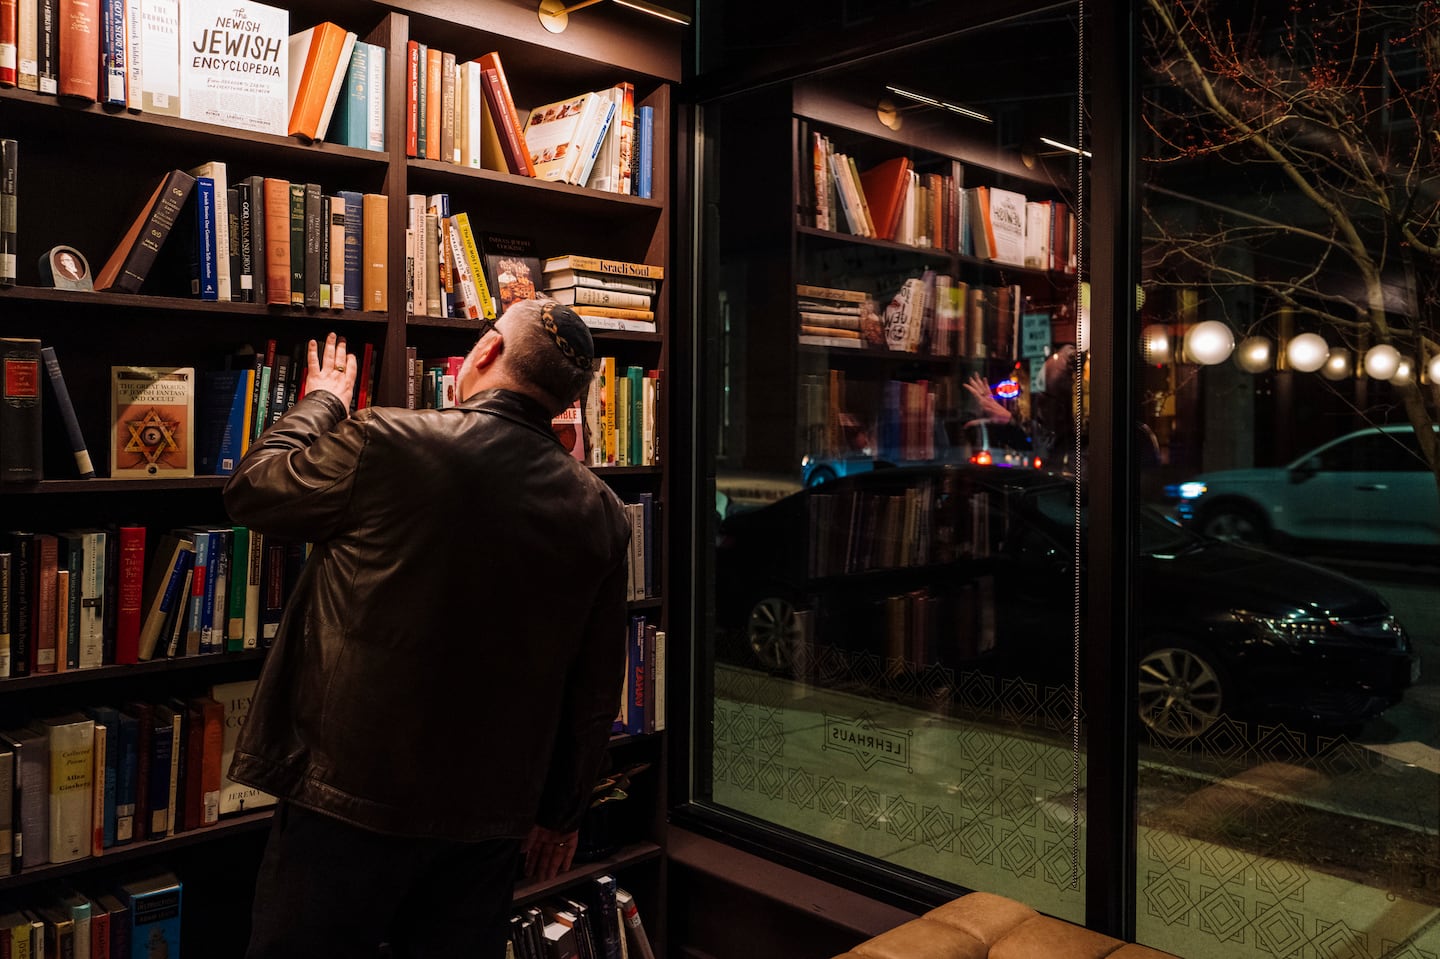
x: 79, y: 41
x: 885, y: 187
x: 412, y: 98
x: 42, y: 644
x: 366, y: 370
x: 9, y: 33
x: 277, y: 241
x: 99, y: 931
x: 507, y: 121
x: 194, y: 746
x: 129, y: 612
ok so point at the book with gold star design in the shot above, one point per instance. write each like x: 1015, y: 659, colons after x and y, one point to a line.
x: 152, y: 416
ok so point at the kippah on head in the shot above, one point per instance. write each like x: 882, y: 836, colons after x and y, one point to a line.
x: 569, y: 332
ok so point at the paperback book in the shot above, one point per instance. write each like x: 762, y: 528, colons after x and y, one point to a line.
x: 152, y: 416
x: 233, y: 64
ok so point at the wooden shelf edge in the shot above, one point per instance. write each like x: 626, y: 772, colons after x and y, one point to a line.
x: 628, y: 856
x: 245, y: 822
x: 15, y: 684
x: 441, y: 168
x: 932, y: 252
x: 320, y: 148
x: 177, y: 304
x: 102, y: 484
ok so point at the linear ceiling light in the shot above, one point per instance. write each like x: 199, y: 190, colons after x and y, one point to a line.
x: 929, y: 101
x: 1064, y: 146
x: 555, y: 15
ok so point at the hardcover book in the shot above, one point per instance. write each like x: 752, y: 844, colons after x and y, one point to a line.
x: 154, y: 904
x: 512, y: 266
x: 135, y: 254
x: 152, y: 414
x: 20, y: 411
x: 553, y: 135
x: 160, y: 43
x: 66, y: 409
x: 236, y: 797
x: 233, y: 70
x: 70, y: 741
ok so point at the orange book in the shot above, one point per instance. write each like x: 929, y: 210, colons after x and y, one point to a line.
x: 496, y: 91
x: 885, y: 187
x: 277, y: 241
x: 434, y: 116
x: 374, y: 228
x: 78, y: 37
x: 314, y: 58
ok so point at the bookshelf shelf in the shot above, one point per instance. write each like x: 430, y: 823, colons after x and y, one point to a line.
x: 530, y: 892
x: 537, y: 194
x: 103, y: 485
x: 244, y: 823
x: 653, y: 602
x: 109, y: 123
x: 462, y: 323
x: 104, y: 673
x: 175, y: 304
x: 627, y: 470
x: 931, y: 253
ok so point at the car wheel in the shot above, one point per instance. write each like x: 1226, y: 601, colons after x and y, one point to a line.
x: 775, y: 631
x: 1236, y: 523
x: 1182, y: 691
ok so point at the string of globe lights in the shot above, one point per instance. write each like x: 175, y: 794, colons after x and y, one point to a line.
x: 1212, y: 342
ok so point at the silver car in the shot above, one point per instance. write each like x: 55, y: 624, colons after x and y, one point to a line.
x: 1370, y: 486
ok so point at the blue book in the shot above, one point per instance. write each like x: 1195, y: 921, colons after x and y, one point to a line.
x: 194, y: 623
x: 645, y: 129
x: 212, y: 620
x: 157, y: 785
x: 109, y: 717
x: 354, y: 246
x: 204, y: 282
x: 350, y: 123
x: 154, y: 905
x: 112, y: 53
x: 223, y: 401
x: 71, y: 558
x: 127, y: 769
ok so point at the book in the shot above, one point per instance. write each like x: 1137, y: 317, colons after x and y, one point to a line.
x: 70, y: 740
x: 21, y: 452
x: 66, y: 409
x: 235, y: 699
x: 152, y: 414
x: 375, y: 228
x: 160, y: 46
x: 233, y: 71
x: 553, y: 134
x: 9, y: 179
x: 129, y: 594
x: 645, y: 151
x: 9, y: 793
x: 9, y: 27
x: 885, y: 186
x: 1007, y: 225
x: 219, y: 222
x: 154, y: 904
x: 638, y: 941
x: 512, y: 267
x: 597, y: 296
x: 496, y: 92
x: 77, y: 26
x: 274, y: 209
x: 130, y: 262
x: 28, y: 50
x: 223, y: 420
x: 598, y: 265
x: 114, y: 68
x: 337, y: 85
x: 564, y: 279
x: 204, y: 271
x: 107, y: 770
x: 164, y: 590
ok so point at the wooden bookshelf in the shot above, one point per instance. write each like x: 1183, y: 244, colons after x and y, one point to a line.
x: 139, y: 302
x: 112, y: 674
x: 632, y: 855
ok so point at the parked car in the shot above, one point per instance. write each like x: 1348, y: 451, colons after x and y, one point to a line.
x: 980, y: 577
x: 1371, y: 486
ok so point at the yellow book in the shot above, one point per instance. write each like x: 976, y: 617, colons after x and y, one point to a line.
x: 622, y: 421
x: 607, y: 400
x: 472, y: 259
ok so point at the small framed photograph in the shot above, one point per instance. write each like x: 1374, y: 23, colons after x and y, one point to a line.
x: 65, y: 268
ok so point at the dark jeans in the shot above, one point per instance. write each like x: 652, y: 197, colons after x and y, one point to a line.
x: 329, y: 890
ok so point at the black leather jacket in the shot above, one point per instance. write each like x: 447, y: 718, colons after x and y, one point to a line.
x: 450, y: 662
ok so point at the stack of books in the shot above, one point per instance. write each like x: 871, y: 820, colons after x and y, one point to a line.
x: 829, y: 316
x: 336, y: 88
x: 608, y: 294
x: 138, y: 917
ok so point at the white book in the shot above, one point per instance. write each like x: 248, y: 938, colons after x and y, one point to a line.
x: 337, y: 252
x: 375, y: 98
x: 616, y: 323
x: 250, y: 632
x: 92, y: 601
x: 595, y: 136
x: 563, y: 279
x: 595, y: 296
x: 71, y: 742
x: 603, y: 174
x: 647, y: 421
x: 337, y: 83
x: 160, y: 50
x: 1007, y: 222
x: 236, y: 797
x: 215, y: 170
x: 475, y: 109
x: 233, y: 69
x: 134, y: 65
x: 422, y: 267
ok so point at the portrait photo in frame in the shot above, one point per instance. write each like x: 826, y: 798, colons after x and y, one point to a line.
x: 66, y: 268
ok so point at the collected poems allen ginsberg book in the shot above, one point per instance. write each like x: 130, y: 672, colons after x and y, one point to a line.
x: 152, y: 416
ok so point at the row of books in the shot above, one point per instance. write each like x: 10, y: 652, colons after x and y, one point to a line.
x: 262, y: 240
x: 86, y: 598
x: 894, y: 201
x: 200, y: 60
x: 463, y: 112
x: 138, y: 918
x: 449, y: 273
x: 934, y: 314
x: 642, y: 699
x: 75, y: 785
x: 599, y: 921
x: 608, y: 294
x: 856, y: 532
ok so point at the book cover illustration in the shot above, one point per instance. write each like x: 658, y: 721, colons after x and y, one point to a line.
x: 152, y: 414
x: 512, y: 266
x: 551, y: 134
x: 233, y: 65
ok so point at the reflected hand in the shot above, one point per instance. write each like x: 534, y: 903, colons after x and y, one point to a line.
x: 989, y: 406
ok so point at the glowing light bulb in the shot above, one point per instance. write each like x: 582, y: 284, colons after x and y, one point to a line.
x: 1209, y: 342
x: 1382, y: 361
x: 1337, y: 367
x: 1307, y: 352
x: 1253, y: 354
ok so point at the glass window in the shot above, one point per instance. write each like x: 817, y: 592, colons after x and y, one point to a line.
x: 889, y: 286
x: 1287, y: 787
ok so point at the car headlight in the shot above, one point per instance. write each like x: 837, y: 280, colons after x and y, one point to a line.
x: 1293, y: 631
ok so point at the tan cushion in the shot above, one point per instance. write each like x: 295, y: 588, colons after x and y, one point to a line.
x: 921, y: 939
x: 1046, y: 938
x: 983, y: 915
x: 1135, y: 951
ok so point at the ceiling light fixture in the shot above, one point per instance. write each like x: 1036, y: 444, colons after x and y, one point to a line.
x: 1064, y: 146
x: 938, y: 104
x: 555, y: 15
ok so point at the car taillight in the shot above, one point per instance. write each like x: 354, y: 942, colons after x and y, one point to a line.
x: 982, y: 458
x: 1037, y: 462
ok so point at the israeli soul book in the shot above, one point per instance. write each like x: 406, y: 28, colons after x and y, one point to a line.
x: 234, y: 64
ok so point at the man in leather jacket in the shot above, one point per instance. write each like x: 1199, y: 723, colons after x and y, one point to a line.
x: 438, y: 699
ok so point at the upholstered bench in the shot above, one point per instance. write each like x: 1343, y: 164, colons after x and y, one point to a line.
x: 986, y: 926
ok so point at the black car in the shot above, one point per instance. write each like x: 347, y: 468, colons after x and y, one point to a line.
x: 970, y: 568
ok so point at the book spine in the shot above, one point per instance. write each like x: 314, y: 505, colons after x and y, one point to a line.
x: 422, y: 102
x: 136, y: 261
x: 99, y: 757
x: 311, y: 225
x: 232, y: 250
x: 20, y: 412
x: 259, y: 252
x: 373, y: 238
x: 296, y: 218
x: 245, y: 285
x: 28, y: 53
x: 375, y: 99
x: 235, y: 602
x: 9, y: 27
x: 412, y: 98
x: 472, y: 257
x: 447, y: 107
x: 79, y: 53
x: 134, y: 77
x: 5, y: 661
x: 204, y: 283
x: 512, y: 144
x: 9, y: 182
x: 112, y: 53
x: 67, y: 412
x: 277, y: 242
x: 335, y: 218
x: 157, y: 786
x: 47, y: 41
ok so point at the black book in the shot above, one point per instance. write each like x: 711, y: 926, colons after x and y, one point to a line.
x: 21, y: 546
x: 243, y: 283
x: 47, y: 44
x: 232, y: 215
x: 9, y: 178
x: 314, y: 224
x: 256, y: 185
x: 20, y: 417
x: 322, y: 230
x: 66, y: 409
x: 297, y: 244
x: 128, y: 266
